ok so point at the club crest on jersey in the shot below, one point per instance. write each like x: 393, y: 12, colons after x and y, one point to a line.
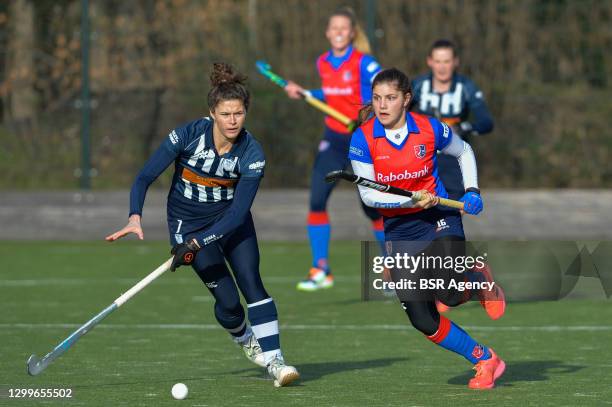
x: 419, y: 150
x: 204, y: 154
x: 346, y: 76
x: 229, y: 165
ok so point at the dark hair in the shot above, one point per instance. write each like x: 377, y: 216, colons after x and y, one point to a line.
x: 442, y: 43
x: 347, y: 12
x: 227, y: 84
x: 391, y: 75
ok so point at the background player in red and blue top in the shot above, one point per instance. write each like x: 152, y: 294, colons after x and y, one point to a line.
x: 453, y: 99
x: 399, y: 148
x: 346, y: 73
x: 218, y: 166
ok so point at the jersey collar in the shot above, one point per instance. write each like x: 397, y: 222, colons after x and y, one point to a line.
x: 337, y: 61
x: 453, y: 83
x: 379, y: 130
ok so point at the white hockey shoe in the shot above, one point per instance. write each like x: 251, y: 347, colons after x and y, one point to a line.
x: 253, y: 351
x: 281, y: 373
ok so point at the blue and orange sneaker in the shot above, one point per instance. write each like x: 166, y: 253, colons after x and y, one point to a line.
x: 317, y: 279
x: 487, y: 371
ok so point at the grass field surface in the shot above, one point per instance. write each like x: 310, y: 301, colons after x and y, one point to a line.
x: 349, y: 352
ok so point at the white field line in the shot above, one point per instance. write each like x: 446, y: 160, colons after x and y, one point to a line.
x: 127, y: 281
x: 315, y: 327
x: 173, y: 280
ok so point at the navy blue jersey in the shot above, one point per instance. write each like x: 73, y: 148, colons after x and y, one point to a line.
x: 201, y: 174
x: 464, y: 102
x: 206, y: 185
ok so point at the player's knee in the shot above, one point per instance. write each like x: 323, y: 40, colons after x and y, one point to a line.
x: 421, y: 318
x: 228, y: 312
x: 451, y: 298
x: 319, y: 195
x: 318, y: 203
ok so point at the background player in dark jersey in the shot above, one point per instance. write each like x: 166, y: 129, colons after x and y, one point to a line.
x: 399, y: 148
x: 218, y: 166
x: 453, y: 99
x: 346, y: 73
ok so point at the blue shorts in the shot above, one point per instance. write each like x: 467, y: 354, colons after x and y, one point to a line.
x: 426, y: 226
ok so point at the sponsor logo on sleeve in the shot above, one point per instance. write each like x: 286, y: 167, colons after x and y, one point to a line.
x: 356, y: 151
x: 372, y: 66
x: 257, y: 165
x: 445, y: 130
x: 173, y: 137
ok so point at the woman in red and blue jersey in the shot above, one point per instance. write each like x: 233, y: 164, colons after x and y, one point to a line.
x: 218, y: 166
x: 399, y: 148
x: 346, y: 73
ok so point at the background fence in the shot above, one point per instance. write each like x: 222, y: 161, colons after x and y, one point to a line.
x: 544, y: 67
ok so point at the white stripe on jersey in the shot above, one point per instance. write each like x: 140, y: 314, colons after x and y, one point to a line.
x: 198, y: 151
x: 428, y: 98
x: 230, y: 193
x: 208, y: 162
x: 216, y: 194
x: 452, y: 100
x: 219, y: 172
x: 202, y: 193
x: 188, y: 190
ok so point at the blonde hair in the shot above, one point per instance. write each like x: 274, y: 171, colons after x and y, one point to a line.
x: 360, y: 42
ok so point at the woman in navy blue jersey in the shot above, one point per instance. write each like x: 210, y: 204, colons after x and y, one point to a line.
x: 218, y: 167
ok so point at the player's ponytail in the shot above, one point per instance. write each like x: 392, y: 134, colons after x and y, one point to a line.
x: 365, y: 113
x: 360, y: 42
x: 227, y: 84
x: 391, y: 75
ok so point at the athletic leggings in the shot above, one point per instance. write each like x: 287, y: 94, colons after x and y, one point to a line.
x: 423, y: 314
x: 241, y: 251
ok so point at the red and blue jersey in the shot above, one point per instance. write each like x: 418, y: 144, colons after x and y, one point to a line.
x: 411, y: 165
x: 345, y: 84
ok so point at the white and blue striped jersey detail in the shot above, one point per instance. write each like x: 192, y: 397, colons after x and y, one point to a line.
x: 202, y: 174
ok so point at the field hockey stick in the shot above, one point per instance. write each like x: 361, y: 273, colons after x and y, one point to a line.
x: 36, y: 365
x: 264, y: 69
x: 355, y: 179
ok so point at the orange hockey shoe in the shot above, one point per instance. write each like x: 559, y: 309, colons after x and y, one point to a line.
x: 494, y: 302
x: 487, y: 371
x: 441, y: 307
